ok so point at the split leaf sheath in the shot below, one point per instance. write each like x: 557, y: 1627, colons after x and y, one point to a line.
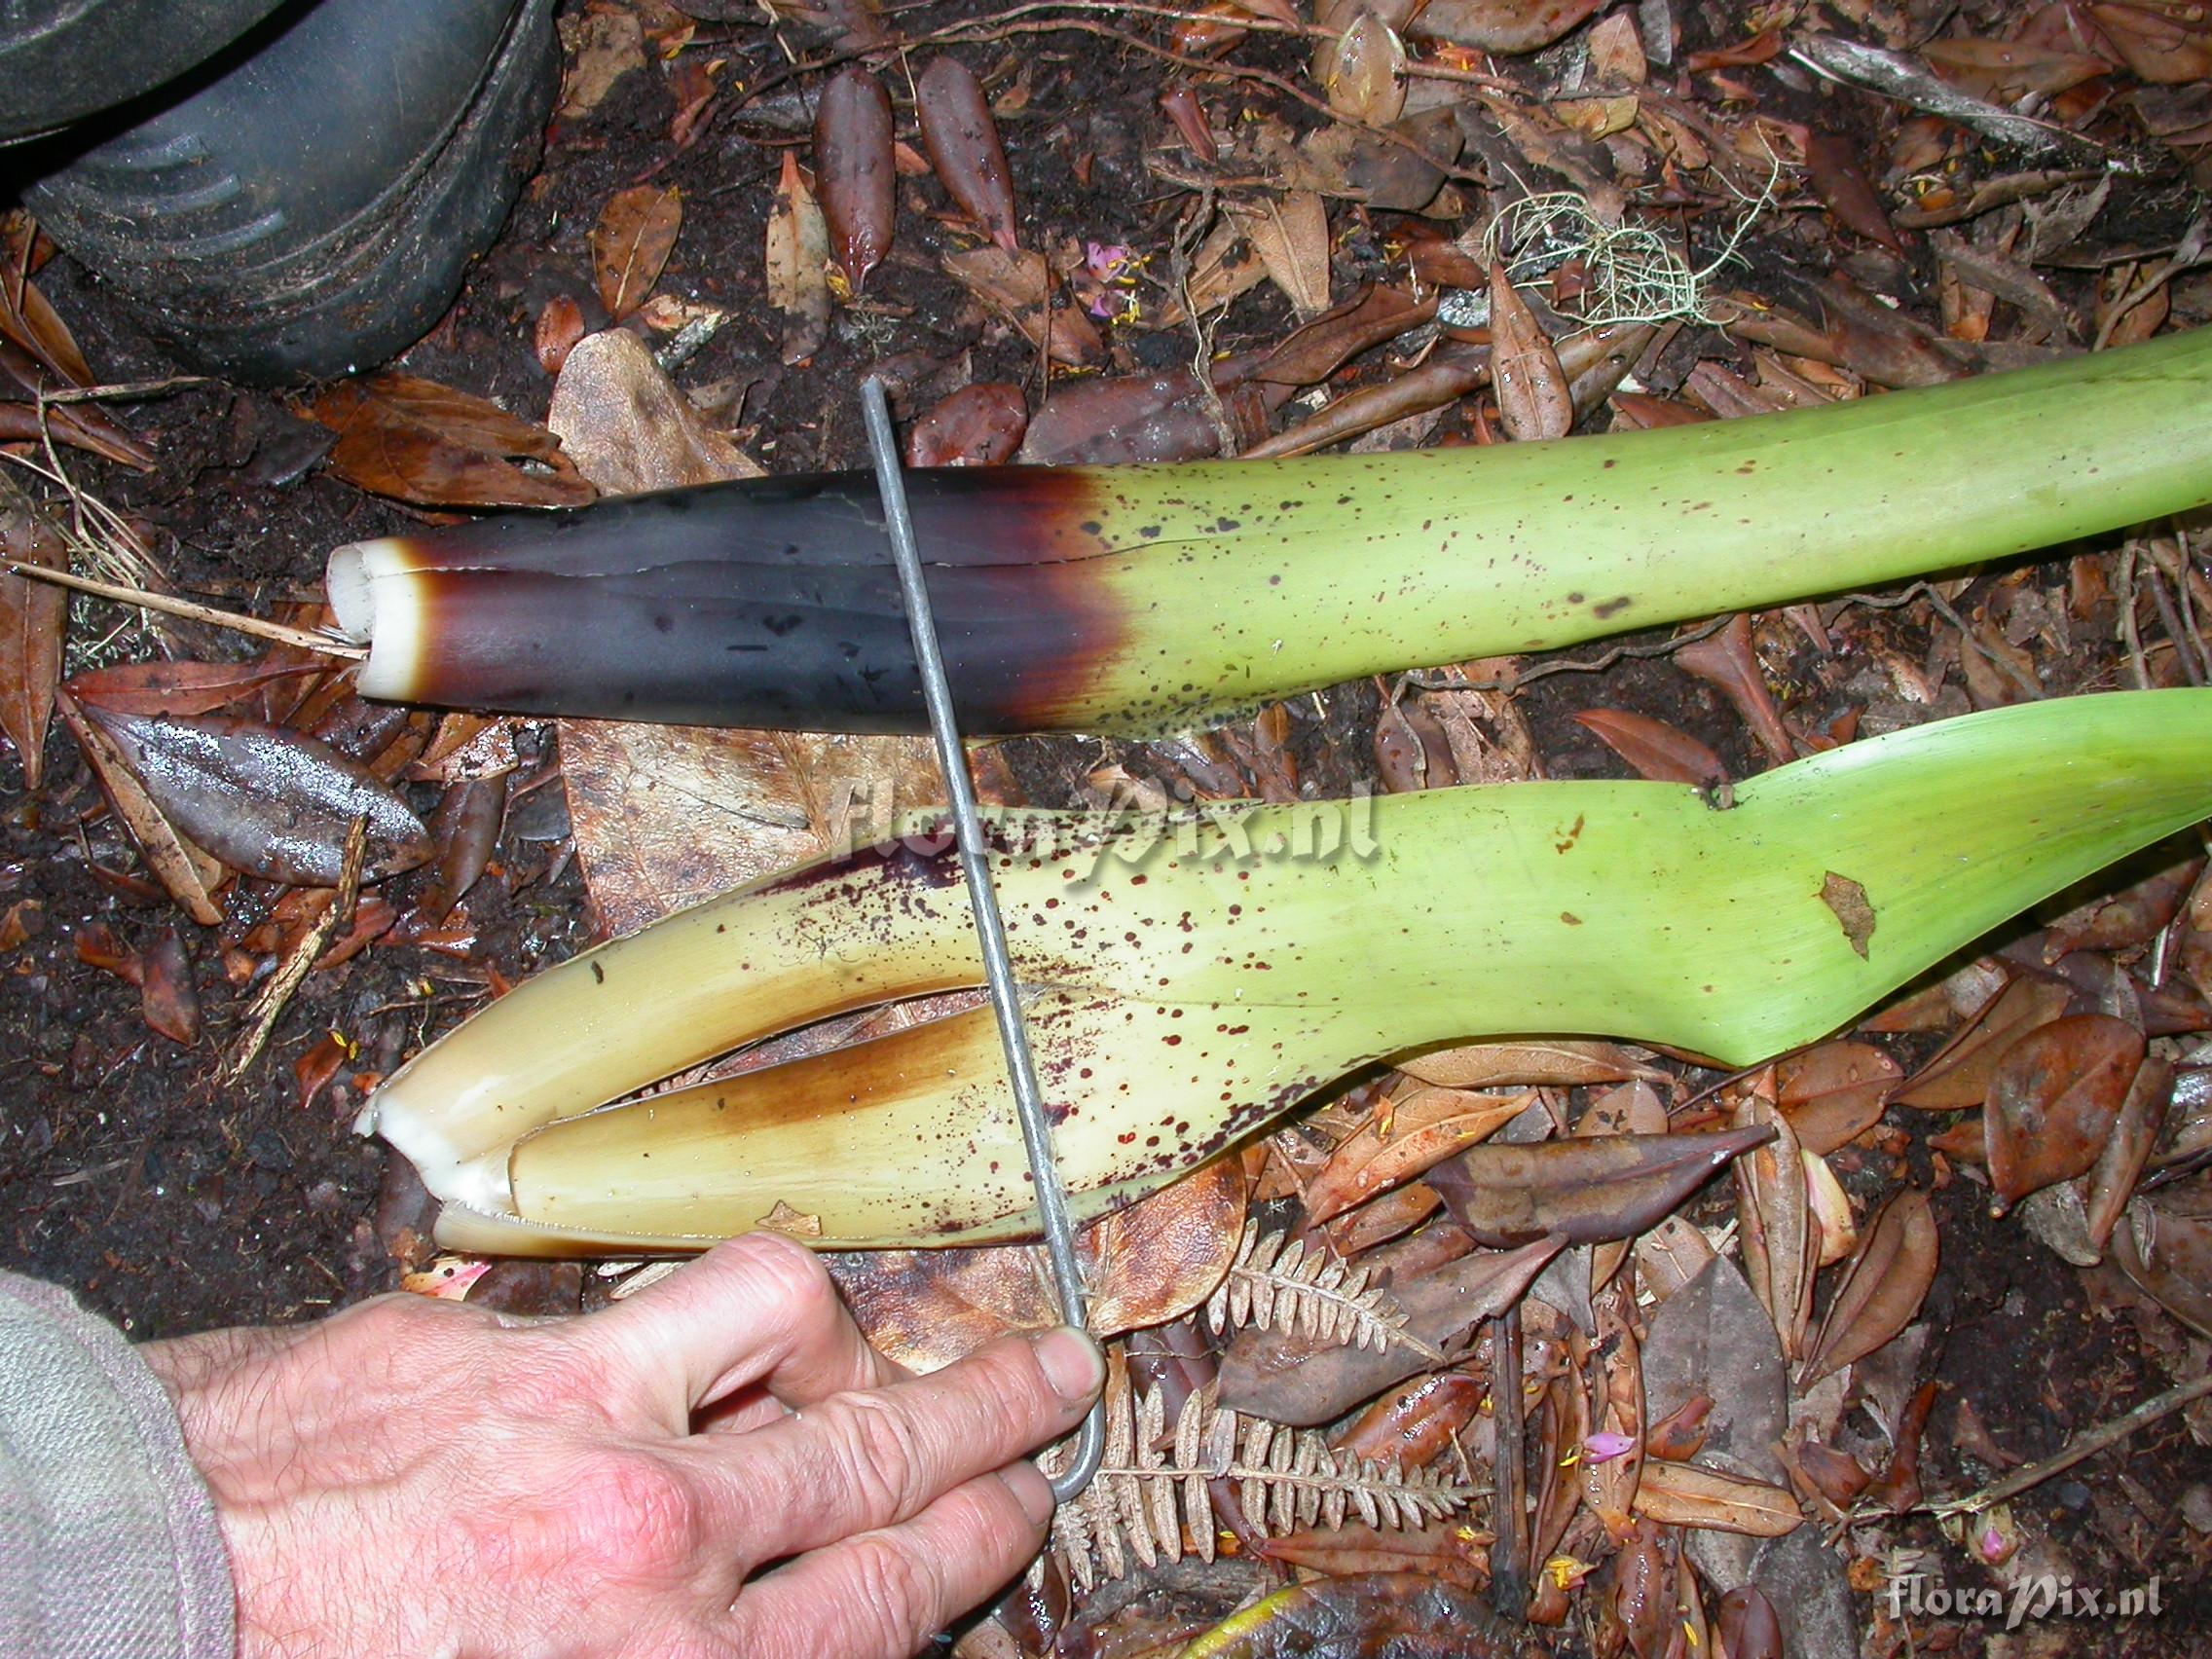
x: 1188, y: 987
x: 1148, y: 599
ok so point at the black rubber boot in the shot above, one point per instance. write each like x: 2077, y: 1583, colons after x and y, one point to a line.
x: 309, y: 202
x: 63, y: 59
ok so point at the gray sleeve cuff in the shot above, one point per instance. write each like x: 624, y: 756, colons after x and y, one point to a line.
x: 109, y: 1546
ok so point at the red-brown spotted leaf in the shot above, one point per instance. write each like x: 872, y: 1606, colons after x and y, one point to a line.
x: 2053, y: 1099
x: 414, y: 440
x: 629, y: 245
x: 1533, y: 397
x: 963, y: 143
x: 854, y: 171
x: 1122, y: 418
x: 1415, y: 1424
x: 1653, y: 747
x: 1883, y: 1287
x: 34, y: 618
x: 977, y: 426
x: 263, y: 798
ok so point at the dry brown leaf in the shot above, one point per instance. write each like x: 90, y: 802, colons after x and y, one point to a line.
x: 1835, y: 1093
x: 1774, y: 1224
x: 1503, y: 25
x: 1020, y: 287
x: 189, y: 873
x: 1655, y: 750
x: 1883, y: 1288
x: 978, y: 426
x: 1403, y: 1138
x: 628, y: 429
x: 2111, y: 1181
x: 1530, y: 1065
x: 798, y: 260
x: 1957, y: 1075
x: 1290, y: 233
x: 1533, y: 397
x: 412, y: 439
x: 34, y: 621
x: 604, y: 46
x: 1689, y: 1495
x: 629, y: 245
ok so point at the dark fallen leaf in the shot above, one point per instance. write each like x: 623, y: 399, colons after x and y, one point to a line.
x: 963, y: 143
x: 265, y: 799
x: 25, y: 316
x: 1612, y: 1187
x: 1748, y: 1625
x: 81, y: 425
x: 1020, y: 288
x: 314, y: 1069
x: 1180, y: 104
x: 415, y: 440
x: 1640, y: 411
x: 1448, y: 375
x: 853, y: 172
x: 2166, y: 1248
x: 96, y: 947
x: 629, y: 245
x: 1316, y: 350
x: 2124, y: 920
x: 1680, y: 1433
x: 2053, y: 1099
x: 1403, y: 1138
x: 1654, y: 749
x: 465, y: 828
x: 1380, y: 1615
x: 166, y: 687
x: 1957, y: 1074
x: 34, y: 622
x: 1831, y: 162
x: 167, y: 996
x: 2164, y: 45
x: 1897, y: 1488
x: 1727, y: 661
x: 1533, y: 397
x: 1295, y: 1380
x: 1122, y: 420
x: 2134, y: 1134
x: 978, y: 426
x: 1883, y: 1287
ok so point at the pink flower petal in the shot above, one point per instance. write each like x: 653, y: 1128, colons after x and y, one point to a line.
x: 1604, y: 1446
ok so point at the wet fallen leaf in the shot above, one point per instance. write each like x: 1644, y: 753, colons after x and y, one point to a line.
x: 34, y: 621
x: 853, y: 172
x: 1727, y: 661
x: 1883, y: 1287
x: 1582, y: 1190
x: 629, y: 245
x: 1122, y: 419
x: 2164, y: 44
x: 26, y: 317
x: 263, y: 798
x: 963, y: 143
x: 559, y: 325
x: 1748, y: 1625
x: 1317, y: 349
x: 180, y: 687
x: 1560, y: 1064
x: 1689, y: 1495
x: 412, y: 439
x: 1380, y: 1615
x: 1290, y: 233
x: 604, y: 46
x: 1454, y: 1552
x: 2166, y: 1248
x: 1654, y: 749
x: 1776, y: 1226
x: 314, y: 1069
x: 798, y: 261
x: 1533, y: 397
x: 1416, y: 1424
x: 978, y: 426
x: 1020, y: 287
x: 2053, y: 1099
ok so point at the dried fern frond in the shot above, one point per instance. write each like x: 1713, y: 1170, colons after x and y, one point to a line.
x: 1149, y: 1502
x: 1278, y: 1284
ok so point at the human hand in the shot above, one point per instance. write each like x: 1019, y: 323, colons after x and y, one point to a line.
x: 422, y: 1478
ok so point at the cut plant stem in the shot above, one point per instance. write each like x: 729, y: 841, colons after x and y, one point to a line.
x: 1151, y: 599
x: 1187, y: 983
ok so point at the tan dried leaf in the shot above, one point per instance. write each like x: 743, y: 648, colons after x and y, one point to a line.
x: 1290, y: 233
x: 1533, y: 397
x: 1689, y: 1495
x: 799, y: 263
x: 1883, y: 1288
x: 629, y: 245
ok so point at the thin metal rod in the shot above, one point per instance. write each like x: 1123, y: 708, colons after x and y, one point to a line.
x: 990, y: 930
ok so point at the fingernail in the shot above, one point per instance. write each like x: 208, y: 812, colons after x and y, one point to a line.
x: 1030, y: 1490
x: 1072, y: 1363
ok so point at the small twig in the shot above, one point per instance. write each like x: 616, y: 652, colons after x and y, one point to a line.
x: 276, y: 995
x: 2082, y: 1446
x: 1510, y: 1567
x: 125, y: 389
x: 281, y: 633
